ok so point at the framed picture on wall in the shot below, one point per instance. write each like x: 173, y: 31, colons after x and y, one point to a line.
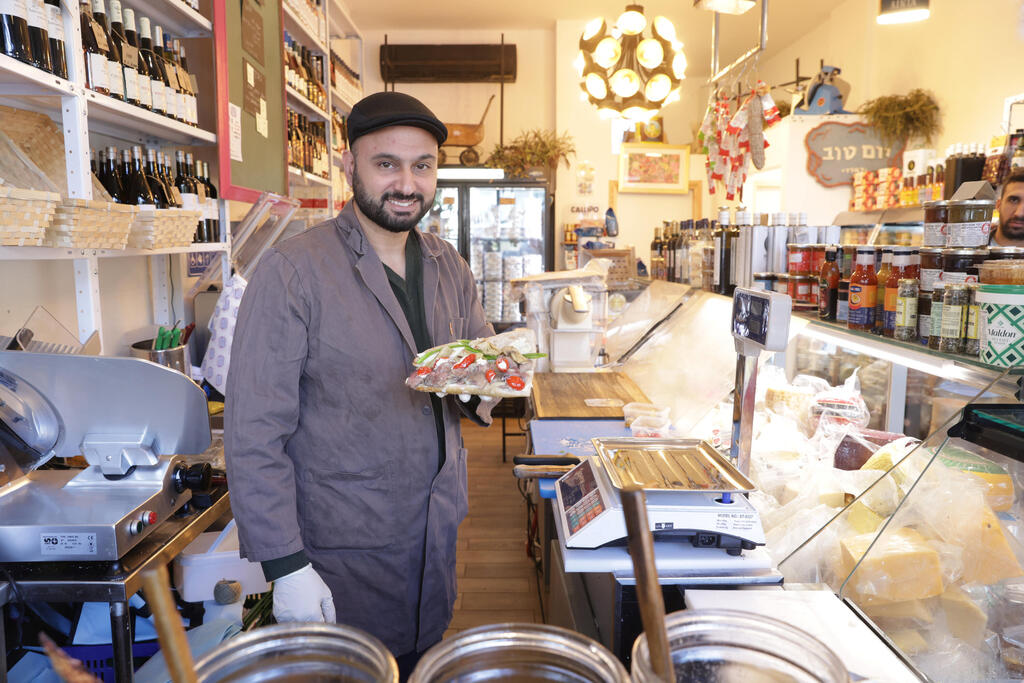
x: 655, y: 168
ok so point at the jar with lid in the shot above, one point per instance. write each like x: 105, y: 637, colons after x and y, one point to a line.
x: 936, y: 316
x: 863, y: 290
x: 1002, y: 272
x: 972, y: 332
x: 800, y: 292
x: 931, y: 267
x: 1001, y: 253
x: 799, y: 259
x: 935, y: 217
x: 969, y: 222
x: 924, y: 317
x: 955, y: 301
x: 781, y: 283
x: 817, y: 258
x: 961, y: 265
x: 905, y: 322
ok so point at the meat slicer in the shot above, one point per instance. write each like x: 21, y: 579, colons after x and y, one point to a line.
x: 130, y: 419
x: 572, y: 333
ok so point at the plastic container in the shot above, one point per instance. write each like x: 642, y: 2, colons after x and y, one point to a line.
x: 724, y: 645
x: 299, y: 652
x: 632, y: 411
x: 1002, y: 272
x: 518, y: 652
x: 650, y: 426
x: 1002, y: 326
x: 211, y: 557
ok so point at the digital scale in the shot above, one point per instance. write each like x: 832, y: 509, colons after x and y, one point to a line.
x: 689, y: 489
x: 129, y: 418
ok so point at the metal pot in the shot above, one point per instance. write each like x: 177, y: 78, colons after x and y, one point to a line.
x: 520, y: 653
x: 299, y: 652
x: 175, y: 358
x: 725, y: 645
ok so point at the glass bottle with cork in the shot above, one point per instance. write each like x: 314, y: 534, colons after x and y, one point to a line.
x: 863, y: 290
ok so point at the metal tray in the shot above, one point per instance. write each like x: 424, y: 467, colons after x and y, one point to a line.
x: 669, y: 465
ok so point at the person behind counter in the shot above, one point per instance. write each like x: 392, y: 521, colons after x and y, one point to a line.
x: 347, y: 486
x: 1010, y: 231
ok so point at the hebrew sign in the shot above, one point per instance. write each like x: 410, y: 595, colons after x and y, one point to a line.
x: 835, y: 151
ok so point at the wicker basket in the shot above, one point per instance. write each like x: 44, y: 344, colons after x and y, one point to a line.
x: 163, y: 228
x: 90, y: 224
x: 24, y: 215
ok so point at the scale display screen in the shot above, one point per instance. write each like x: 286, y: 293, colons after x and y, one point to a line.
x: 750, y: 317
x: 581, y: 497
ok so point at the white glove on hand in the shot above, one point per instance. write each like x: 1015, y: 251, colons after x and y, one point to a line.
x: 303, y: 596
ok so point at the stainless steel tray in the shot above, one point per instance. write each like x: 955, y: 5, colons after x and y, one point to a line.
x: 669, y: 465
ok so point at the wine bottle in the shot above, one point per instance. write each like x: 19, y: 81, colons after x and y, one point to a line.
x: 156, y: 70
x: 145, y: 85
x: 213, y: 214
x: 129, y: 55
x: 95, y: 47
x: 38, y: 34
x: 14, y: 30
x: 191, y: 101
x: 55, y: 29
x: 161, y: 197
x: 163, y: 172
x: 115, y: 72
x: 137, y: 190
x: 108, y: 176
x: 171, y: 93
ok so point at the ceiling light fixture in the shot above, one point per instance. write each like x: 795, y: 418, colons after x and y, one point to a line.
x: 725, y: 6
x: 902, y: 11
x: 627, y: 75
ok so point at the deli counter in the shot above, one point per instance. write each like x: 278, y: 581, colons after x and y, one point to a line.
x: 868, y: 481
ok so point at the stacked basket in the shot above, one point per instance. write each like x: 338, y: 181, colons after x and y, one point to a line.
x: 90, y: 224
x: 163, y: 228
x: 24, y: 215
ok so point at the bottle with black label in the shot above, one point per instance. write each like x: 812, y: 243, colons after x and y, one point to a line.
x: 55, y: 31
x: 38, y: 34
x: 14, y: 30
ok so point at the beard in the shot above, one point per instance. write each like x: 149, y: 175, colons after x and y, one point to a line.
x: 376, y: 210
x: 1012, y: 228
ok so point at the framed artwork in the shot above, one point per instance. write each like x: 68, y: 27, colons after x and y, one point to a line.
x: 655, y: 168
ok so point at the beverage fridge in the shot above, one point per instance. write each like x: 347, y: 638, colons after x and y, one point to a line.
x: 503, y: 229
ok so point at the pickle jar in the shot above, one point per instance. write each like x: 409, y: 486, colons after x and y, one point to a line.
x: 906, y: 310
x: 955, y: 301
x: 936, y: 316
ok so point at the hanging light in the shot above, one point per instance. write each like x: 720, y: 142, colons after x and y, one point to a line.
x: 626, y: 74
x: 725, y: 6
x: 902, y: 11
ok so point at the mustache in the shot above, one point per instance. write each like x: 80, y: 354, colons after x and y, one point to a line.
x: 399, y: 197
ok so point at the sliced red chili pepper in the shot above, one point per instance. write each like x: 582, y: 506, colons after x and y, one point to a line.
x: 423, y: 371
x: 501, y: 364
x: 490, y: 375
x: 466, y: 362
x: 515, y: 382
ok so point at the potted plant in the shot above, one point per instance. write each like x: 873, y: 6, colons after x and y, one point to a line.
x: 533, y: 154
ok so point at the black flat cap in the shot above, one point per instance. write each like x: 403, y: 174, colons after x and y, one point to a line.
x: 385, y: 109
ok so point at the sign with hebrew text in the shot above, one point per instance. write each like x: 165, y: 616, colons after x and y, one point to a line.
x: 835, y: 151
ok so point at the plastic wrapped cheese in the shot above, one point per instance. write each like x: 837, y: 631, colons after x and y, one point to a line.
x: 999, y: 493
x: 964, y: 618
x: 901, y: 566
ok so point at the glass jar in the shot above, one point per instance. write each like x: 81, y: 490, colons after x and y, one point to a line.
x: 924, y: 317
x: 955, y: 301
x: 936, y: 316
x: 906, y: 310
x: 972, y: 332
x: 799, y: 259
x: 969, y: 222
x: 931, y: 267
x: 1001, y: 253
x: 765, y: 281
x: 961, y: 265
x: 1002, y: 272
x: 817, y: 258
x: 935, y: 217
x: 781, y: 283
x: 800, y: 291
x: 723, y: 645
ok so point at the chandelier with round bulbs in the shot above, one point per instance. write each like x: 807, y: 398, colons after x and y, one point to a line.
x: 623, y: 73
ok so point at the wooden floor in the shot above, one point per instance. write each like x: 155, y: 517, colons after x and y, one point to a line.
x: 497, y: 580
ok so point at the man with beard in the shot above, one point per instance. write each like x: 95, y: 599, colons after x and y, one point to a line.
x: 1010, y: 232
x: 347, y: 486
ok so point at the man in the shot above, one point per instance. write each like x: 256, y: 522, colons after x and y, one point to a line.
x: 346, y: 485
x: 1010, y: 231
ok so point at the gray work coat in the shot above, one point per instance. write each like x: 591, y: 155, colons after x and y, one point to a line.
x: 327, y: 450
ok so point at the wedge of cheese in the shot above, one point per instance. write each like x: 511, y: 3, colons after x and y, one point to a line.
x: 987, y: 555
x: 908, y: 640
x: 916, y: 612
x: 901, y: 566
x: 999, y: 493
x: 964, y: 618
x: 863, y: 519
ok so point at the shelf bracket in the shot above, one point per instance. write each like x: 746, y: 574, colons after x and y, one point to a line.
x: 87, y: 298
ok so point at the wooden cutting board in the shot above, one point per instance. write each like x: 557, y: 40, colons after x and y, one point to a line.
x: 564, y: 394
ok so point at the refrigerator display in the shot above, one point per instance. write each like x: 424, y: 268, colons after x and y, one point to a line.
x: 443, y: 218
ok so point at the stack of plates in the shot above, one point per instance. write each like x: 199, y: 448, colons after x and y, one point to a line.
x: 493, y: 266
x: 514, y: 266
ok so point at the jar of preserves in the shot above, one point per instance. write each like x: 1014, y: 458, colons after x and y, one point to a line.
x: 961, y: 265
x: 955, y: 301
x: 799, y: 259
x: 931, y: 267
x: 781, y: 283
x: 765, y: 281
x: 817, y: 258
x: 969, y: 222
x: 1009, y: 272
x: 905, y: 328
x: 936, y: 316
x: 924, y: 317
x: 935, y: 217
x: 1000, y: 253
x: 972, y: 332
x: 800, y: 292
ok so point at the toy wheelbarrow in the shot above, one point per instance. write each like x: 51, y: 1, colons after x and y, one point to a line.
x: 465, y: 135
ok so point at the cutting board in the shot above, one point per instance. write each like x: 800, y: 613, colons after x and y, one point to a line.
x: 564, y: 394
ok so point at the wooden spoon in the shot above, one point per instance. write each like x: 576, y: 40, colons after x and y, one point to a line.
x: 173, y: 642
x: 648, y: 590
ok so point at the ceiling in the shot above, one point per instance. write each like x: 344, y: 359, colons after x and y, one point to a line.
x: 787, y: 20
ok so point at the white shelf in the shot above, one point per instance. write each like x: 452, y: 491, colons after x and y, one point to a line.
x: 64, y: 253
x: 298, y: 101
x: 299, y: 177
x: 300, y: 32
x: 340, y: 22
x: 128, y: 122
x: 174, y: 16
x: 18, y: 78
x: 343, y: 103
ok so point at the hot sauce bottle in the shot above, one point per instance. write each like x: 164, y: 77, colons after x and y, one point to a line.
x: 882, y: 276
x: 902, y: 268
x: 863, y: 288
x: 828, y: 285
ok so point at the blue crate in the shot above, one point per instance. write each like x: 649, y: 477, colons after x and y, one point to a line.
x: 99, y: 659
